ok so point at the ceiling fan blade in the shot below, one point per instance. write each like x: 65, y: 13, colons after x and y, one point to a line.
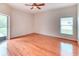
x: 38, y: 7
x: 28, y: 5
x: 42, y: 4
x: 32, y: 8
x: 34, y: 4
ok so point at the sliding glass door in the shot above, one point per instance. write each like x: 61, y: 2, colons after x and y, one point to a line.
x: 3, y: 27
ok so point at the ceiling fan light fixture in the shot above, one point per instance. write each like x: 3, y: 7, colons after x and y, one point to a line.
x: 36, y: 5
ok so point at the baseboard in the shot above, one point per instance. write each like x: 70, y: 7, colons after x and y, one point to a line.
x: 43, y: 35
x: 58, y: 37
x: 22, y: 35
x: 66, y: 38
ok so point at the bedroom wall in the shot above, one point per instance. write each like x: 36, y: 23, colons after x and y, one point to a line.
x: 4, y: 8
x: 48, y: 22
x: 78, y: 21
x: 21, y: 23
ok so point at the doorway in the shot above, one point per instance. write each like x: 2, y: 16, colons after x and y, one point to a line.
x: 4, y: 34
x: 3, y: 27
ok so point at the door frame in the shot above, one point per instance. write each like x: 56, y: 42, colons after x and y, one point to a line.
x: 8, y: 25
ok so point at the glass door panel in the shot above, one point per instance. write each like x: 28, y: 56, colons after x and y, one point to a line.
x: 3, y: 27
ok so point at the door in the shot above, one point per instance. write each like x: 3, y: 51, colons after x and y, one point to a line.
x: 3, y: 27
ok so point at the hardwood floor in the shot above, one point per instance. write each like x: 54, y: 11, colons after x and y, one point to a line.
x: 41, y: 45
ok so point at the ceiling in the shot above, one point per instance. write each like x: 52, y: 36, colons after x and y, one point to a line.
x: 48, y: 6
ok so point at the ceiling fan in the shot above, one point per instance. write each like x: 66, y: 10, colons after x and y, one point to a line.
x: 35, y: 5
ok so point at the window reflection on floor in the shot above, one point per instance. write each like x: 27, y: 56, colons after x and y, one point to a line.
x: 3, y: 48
x: 66, y: 49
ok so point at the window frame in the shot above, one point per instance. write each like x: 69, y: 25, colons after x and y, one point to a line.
x: 72, y: 25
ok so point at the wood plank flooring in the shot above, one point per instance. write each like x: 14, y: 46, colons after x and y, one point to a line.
x: 41, y: 45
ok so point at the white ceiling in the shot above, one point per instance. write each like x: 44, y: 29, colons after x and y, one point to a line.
x: 48, y: 6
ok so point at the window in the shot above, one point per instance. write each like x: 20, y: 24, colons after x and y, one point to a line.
x: 3, y: 25
x: 66, y: 25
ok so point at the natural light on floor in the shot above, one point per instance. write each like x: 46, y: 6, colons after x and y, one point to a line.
x: 3, y: 48
x: 66, y: 49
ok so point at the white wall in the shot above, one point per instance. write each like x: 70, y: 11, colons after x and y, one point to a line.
x: 78, y: 21
x: 48, y: 22
x: 21, y: 23
x: 4, y: 8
